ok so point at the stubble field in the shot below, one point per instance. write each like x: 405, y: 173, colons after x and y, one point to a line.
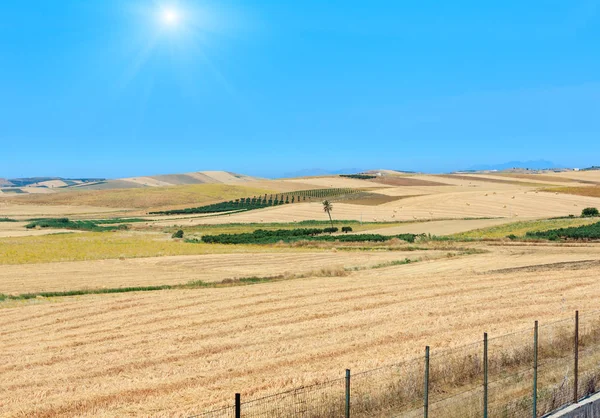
x: 174, y: 352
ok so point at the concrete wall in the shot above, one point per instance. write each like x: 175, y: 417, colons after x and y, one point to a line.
x: 588, y: 408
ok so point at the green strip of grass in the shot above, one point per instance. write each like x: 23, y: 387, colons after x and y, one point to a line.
x: 383, y: 265
x: 26, y: 296
x: 83, y: 225
x: 190, y: 285
x: 8, y: 220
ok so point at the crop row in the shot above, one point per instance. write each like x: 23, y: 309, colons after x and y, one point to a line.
x: 260, y: 202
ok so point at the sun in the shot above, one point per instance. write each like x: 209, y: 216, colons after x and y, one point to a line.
x: 170, y: 17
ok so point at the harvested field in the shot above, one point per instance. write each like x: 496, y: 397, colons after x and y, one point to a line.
x: 336, y: 182
x: 183, y: 351
x: 458, y: 205
x: 368, y: 199
x: 489, y: 179
x: 445, y: 227
x: 20, y: 209
x: 143, y: 198
x: 406, y: 181
x: 156, y: 271
x: 582, y: 176
x: 539, y: 177
x: 147, y: 181
x: 592, y: 191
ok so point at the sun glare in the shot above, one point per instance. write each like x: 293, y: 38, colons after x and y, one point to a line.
x: 170, y: 17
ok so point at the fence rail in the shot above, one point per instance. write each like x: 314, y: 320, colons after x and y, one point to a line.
x: 527, y: 373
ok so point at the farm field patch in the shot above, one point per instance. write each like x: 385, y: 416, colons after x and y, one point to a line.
x: 143, y: 197
x: 182, y: 352
x: 105, y: 245
x: 172, y: 270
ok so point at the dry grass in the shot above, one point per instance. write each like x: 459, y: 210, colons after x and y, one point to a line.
x: 591, y: 191
x: 537, y: 177
x: 469, y: 203
x: 182, y: 352
x: 406, y: 181
x: 173, y: 270
x: 489, y: 179
x: 144, y: 198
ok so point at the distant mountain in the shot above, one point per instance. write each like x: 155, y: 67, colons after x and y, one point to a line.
x: 308, y: 172
x: 532, y: 165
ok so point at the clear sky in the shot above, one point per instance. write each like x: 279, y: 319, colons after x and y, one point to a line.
x: 112, y: 88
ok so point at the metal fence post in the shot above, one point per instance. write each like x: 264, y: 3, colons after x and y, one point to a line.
x: 535, y: 368
x: 426, y: 387
x: 485, y: 375
x: 238, y: 406
x: 576, y: 366
x: 347, y: 393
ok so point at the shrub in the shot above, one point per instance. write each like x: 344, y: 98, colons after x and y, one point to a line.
x: 330, y: 230
x: 589, y: 212
x: 346, y: 229
x: 87, y: 225
x: 512, y: 237
x: 178, y: 234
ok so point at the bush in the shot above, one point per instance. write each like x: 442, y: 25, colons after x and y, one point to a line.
x: 589, y: 212
x: 512, y: 237
x: 330, y: 230
x: 178, y: 234
x: 346, y: 229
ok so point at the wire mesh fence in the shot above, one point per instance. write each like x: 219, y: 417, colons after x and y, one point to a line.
x: 526, y: 373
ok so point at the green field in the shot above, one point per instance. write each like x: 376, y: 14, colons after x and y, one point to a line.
x: 521, y: 228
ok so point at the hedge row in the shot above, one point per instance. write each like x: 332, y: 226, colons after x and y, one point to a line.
x: 65, y: 223
x: 358, y: 176
x: 261, y: 236
x: 577, y: 232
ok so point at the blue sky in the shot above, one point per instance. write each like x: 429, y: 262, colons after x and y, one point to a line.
x: 105, y: 88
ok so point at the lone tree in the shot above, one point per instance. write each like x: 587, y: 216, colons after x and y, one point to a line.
x: 327, y: 207
x: 589, y: 212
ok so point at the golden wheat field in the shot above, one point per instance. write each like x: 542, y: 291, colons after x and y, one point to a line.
x: 174, y: 352
x: 170, y: 270
x: 261, y: 319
